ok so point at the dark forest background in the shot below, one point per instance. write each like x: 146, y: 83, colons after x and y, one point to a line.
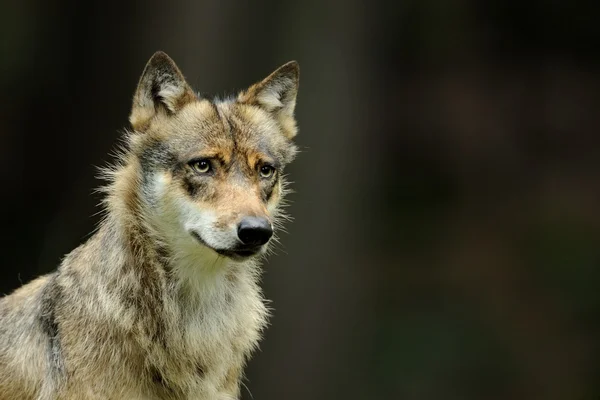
x: 446, y: 240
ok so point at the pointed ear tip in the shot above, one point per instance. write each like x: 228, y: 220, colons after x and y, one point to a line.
x: 160, y: 57
x: 159, y: 54
x: 291, y: 66
x: 290, y: 69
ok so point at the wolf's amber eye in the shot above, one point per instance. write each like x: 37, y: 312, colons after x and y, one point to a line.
x: 200, y: 166
x: 266, y: 171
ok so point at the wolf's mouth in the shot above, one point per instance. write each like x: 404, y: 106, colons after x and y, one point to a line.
x: 239, y: 253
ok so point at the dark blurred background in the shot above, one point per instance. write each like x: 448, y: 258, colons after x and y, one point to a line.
x: 446, y: 241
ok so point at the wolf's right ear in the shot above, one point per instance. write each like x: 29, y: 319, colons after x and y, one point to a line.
x: 161, y: 89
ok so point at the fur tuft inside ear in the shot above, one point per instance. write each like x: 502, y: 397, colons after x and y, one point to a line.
x: 162, y: 88
x: 277, y: 92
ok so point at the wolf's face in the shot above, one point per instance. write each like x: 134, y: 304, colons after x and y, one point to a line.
x: 212, y: 171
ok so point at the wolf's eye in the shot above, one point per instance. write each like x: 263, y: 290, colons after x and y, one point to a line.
x: 200, y: 166
x: 266, y: 171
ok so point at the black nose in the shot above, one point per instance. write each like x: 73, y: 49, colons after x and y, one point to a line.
x: 255, y: 231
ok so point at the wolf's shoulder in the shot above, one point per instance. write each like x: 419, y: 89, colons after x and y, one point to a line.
x: 29, y: 292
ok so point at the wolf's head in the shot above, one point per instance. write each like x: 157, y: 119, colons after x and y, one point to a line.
x: 210, y: 173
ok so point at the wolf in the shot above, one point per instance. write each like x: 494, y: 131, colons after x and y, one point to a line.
x: 163, y: 300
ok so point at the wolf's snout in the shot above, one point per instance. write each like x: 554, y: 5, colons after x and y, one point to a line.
x: 255, y: 231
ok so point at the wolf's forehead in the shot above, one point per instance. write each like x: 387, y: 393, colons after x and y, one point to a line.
x: 230, y: 127
x: 246, y: 123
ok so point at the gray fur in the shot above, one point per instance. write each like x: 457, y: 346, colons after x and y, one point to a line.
x: 143, y: 310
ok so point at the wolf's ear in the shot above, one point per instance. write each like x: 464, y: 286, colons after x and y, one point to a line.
x: 162, y: 88
x: 277, y: 94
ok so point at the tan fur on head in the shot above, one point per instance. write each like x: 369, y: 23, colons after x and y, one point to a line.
x: 162, y: 302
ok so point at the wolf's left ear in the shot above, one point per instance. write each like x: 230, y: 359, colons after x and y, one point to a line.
x: 161, y: 89
x: 277, y: 94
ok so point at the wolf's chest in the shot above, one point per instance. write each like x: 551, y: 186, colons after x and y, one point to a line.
x: 214, y: 336
x: 228, y: 318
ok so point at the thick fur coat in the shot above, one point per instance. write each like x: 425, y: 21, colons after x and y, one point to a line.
x: 163, y: 301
